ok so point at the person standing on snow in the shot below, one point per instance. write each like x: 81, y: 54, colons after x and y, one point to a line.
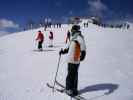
x: 51, y: 39
x: 68, y: 37
x: 40, y: 39
x: 76, y: 53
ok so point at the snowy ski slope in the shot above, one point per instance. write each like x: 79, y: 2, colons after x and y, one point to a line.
x: 105, y: 74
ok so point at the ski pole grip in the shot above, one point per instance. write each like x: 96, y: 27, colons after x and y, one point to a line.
x: 60, y: 52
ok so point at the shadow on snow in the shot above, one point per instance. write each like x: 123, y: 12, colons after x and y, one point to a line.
x: 100, y: 87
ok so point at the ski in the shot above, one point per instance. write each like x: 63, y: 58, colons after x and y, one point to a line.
x: 59, y: 84
x: 52, y: 87
x: 62, y: 91
x: 78, y: 97
x: 45, y: 50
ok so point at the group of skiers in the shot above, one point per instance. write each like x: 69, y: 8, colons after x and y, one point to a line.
x: 40, y: 39
x: 76, y: 52
x: 50, y: 25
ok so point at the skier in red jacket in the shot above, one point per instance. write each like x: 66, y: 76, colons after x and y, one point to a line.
x: 40, y: 39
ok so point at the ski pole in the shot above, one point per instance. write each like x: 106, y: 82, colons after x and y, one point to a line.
x: 56, y: 72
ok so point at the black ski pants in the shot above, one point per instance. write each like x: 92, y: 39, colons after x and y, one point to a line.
x: 72, y: 77
x: 40, y: 44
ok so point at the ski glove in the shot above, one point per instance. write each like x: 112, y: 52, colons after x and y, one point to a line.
x: 63, y: 51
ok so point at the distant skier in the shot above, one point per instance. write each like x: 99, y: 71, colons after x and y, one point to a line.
x: 76, y: 53
x: 68, y: 37
x: 51, y: 38
x: 40, y: 39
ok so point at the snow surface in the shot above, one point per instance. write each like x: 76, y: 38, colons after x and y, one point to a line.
x: 105, y: 74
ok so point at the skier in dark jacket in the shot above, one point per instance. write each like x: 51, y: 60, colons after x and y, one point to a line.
x: 76, y: 53
x: 68, y: 37
x: 40, y: 39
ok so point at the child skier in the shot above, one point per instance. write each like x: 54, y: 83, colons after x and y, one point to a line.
x: 51, y: 39
x: 76, y: 53
x: 40, y: 39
